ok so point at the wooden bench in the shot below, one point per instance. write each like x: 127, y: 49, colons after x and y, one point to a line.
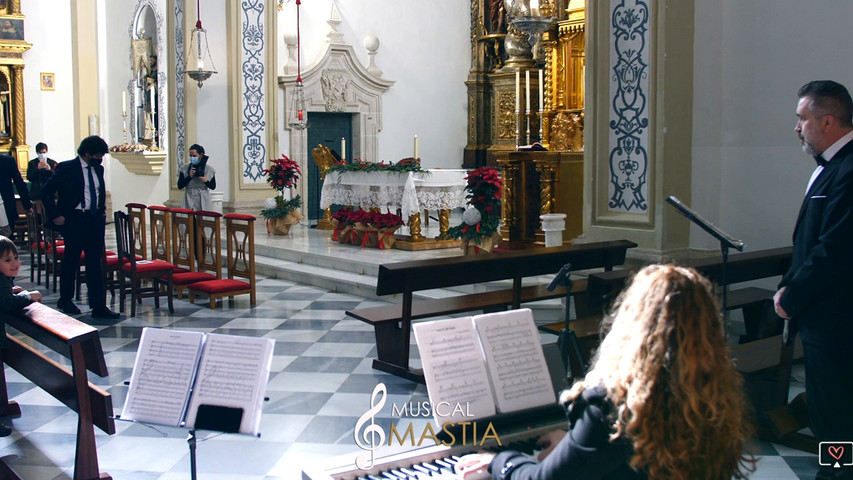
x: 79, y: 343
x: 603, y: 287
x: 392, y: 324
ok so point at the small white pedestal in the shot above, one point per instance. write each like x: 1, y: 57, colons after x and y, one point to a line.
x: 553, y: 225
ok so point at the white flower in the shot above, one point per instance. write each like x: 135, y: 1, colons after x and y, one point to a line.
x: 269, y: 203
x: 471, y: 216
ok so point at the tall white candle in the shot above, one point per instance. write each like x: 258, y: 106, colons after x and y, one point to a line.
x: 517, y: 92
x: 541, y: 105
x: 527, y: 94
x: 416, y: 148
x: 124, y: 102
x: 343, y: 148
x: 534, y: 8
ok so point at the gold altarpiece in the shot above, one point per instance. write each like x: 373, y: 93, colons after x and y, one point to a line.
x: 13, y: 133
x: 535, y: 182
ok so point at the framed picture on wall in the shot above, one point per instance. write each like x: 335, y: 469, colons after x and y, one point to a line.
x: 47, y: 81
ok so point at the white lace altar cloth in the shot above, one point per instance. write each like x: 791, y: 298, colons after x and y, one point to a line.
x: 411, y: 192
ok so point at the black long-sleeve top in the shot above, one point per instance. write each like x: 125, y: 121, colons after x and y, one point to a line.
x: 585, y: 453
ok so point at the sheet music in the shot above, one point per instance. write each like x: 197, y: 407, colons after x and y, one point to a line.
x: 233, y: 372
x: 454, y: 369
x: 514, y: 360
x: 162, y: 376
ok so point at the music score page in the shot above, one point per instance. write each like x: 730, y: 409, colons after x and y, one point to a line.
x: 488, y: 363
x: 162, y: 376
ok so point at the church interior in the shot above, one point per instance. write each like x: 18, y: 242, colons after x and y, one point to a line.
x: 597, y: 110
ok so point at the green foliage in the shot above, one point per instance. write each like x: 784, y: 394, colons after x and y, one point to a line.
x: 282, y: 207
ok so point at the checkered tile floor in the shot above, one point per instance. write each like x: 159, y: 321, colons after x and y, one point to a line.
x: 320, y: 384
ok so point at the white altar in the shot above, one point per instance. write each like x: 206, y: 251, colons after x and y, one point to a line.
x: 411, y: 192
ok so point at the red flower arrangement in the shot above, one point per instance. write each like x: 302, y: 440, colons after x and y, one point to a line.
x: 283, y: 173
x: 365, y: 228
x: 482, y: 217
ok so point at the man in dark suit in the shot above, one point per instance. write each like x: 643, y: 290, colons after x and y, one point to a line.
x: 10, y: 174
x: 814, y: 296
x: 39, y: 170
x: 79, y: 213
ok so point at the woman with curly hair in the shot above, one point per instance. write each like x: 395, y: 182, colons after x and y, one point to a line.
x: 661, y: 401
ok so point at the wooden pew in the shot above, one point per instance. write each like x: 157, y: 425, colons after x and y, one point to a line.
x: 79, y: 343
x: 392, y: 324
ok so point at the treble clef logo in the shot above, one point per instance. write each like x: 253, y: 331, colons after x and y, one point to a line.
x: 373, y: 434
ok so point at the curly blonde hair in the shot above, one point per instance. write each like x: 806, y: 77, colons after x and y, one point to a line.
x: 666, y: 367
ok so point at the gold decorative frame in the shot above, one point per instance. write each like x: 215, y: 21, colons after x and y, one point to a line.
x: 48, y: 81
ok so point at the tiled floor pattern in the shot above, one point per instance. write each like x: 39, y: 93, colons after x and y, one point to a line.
x: 320, y: 385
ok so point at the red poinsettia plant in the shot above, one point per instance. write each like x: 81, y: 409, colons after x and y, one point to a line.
x: 283, y: 173
x: 482, y: 216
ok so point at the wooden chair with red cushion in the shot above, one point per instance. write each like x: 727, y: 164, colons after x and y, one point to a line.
x: 54, y: 252
x: 240, y: 257
x: 36, y: 243
x: 183, y: 243
x: 161, y: 233
x: 209, y: 258
x: 136, y: 212
x: 133, y: 272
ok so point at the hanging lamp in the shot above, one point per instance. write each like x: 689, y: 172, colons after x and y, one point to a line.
x: 298, y: 119
x: 199, y: 53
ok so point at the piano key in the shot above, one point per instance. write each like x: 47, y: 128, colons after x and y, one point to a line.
x: 409, y: 472
x: 443, y: 464
x: 432, y: 467
x: 422, y: 469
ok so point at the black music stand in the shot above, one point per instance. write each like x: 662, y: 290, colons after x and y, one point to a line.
x: 726, y: 242
x: 567, y: 341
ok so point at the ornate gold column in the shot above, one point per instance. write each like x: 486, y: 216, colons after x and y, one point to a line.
x: 14, y: 7
x: 19, y: 130
x: 510, y: 173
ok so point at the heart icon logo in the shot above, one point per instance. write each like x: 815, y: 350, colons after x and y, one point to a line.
x: 836, y: 451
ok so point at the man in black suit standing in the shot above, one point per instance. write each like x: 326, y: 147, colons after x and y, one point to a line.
x: 79, y: 213
x: 814, y: 296
x: 10, y: 174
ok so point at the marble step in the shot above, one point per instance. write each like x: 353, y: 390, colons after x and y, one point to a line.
x: 351, y: 276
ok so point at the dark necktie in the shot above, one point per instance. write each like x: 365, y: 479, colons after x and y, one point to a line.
x: 93, y: 195
x: 820, y: 161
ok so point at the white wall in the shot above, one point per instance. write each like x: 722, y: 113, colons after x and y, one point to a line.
x: 749, y: 172
x: 49, y: 114
x: 424, y: 48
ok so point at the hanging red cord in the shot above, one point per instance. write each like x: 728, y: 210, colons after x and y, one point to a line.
x: 198, y: 13
x: 298, y: 46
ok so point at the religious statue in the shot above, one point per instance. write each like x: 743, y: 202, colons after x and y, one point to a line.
x: 497, y: 16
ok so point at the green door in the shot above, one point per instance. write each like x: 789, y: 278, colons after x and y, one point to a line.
x: 324, y: 128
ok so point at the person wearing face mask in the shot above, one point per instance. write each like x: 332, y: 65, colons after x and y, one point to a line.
x: 73, y: 200
x: 39, y: 170
x: 197, y: 179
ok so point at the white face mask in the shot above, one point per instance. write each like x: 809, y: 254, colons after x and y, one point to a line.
x: 194, y: 160
x: 42, y: 156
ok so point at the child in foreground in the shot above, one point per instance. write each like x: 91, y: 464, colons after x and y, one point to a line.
x: 12, y: 297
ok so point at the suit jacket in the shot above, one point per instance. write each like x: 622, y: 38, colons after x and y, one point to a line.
x: 67, y: 182
x: 820, y: 280
x: 9, y: 173
x: 38, y: 176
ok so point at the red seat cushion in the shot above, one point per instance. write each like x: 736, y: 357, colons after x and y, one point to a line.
x: 240, y: 216
x: 220, y: 286
x: 112, y: 260
x: 181, y: 269
x: 149, y: 266
x: 186, y: 278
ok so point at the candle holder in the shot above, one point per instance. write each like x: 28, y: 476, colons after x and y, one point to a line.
x: 124, y: 126
x: 527, y: 132
x: 541, y: 122
x: 517, y: 128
